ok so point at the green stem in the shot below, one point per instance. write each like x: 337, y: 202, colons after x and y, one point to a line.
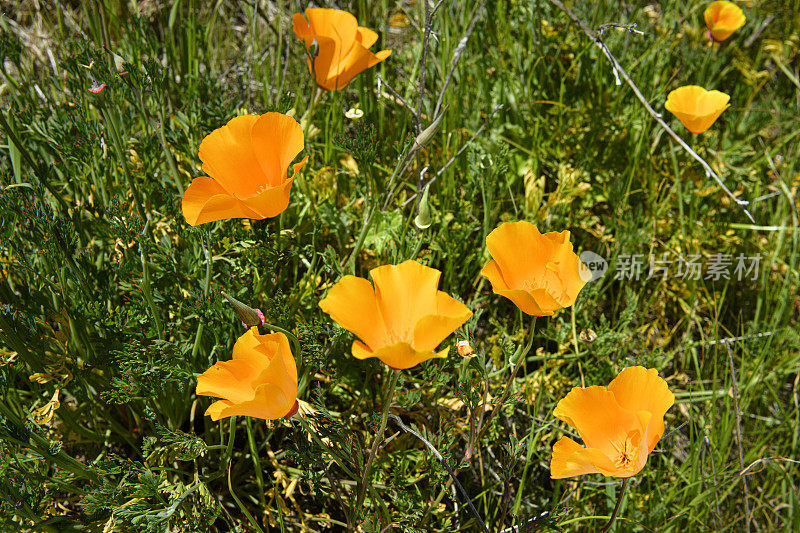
x: 616, y: 507
x: 117, y: 140
x: 206, y: 286
x: 519, y: 356
x: 242, y: 508
x: 256, y: 463
x: 147, y: 290
x: 365, y: 479
x: 351, y: 261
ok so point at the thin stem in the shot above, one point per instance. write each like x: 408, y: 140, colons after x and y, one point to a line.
x: 735, y: 387
x: 117, y: 140
x: 441, y: 460
x: 362, y: 487
x: 206, y: 286
x: 242, y: 507
x: 616, y: 507
x: 146, y: 288
x: 256, y: 462
x: 520, y: 355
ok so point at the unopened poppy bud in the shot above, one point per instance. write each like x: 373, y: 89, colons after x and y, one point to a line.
x: 250, y: 317
x: 427, y: 134
x: 464, y: 349
x: 423, y: 218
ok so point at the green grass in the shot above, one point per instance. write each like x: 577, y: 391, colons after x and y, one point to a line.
x: 121, y: 316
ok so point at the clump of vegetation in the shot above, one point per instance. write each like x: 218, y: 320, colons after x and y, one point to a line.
x: 160, y: 161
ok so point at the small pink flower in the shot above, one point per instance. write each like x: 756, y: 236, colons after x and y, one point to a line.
x: 98, y: 89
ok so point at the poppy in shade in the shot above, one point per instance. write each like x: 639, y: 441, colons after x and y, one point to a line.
x: 338, y: 47
x: 402, y: 319
x: 259, y: 381
x: 246, y: 161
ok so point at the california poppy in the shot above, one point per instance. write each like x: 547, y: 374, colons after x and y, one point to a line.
x: 260, y: 381
x: 723, y: 18
x: 696, y: 108
x: 620, y: 425
x: 538, y: 272
x: 340, y: 47
x: 246, y: 160
x: 402, y: 319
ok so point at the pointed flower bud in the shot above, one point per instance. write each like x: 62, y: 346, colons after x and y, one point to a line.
x: 250, y: 317
x: 427, y: 134
x: 423, y: 218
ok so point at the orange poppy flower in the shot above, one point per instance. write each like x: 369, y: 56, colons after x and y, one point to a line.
x: 696, y: 108
x: 402, y: 319
x: 246, y: 160
x: 538, y: 272
x: 342, y: 46
x: 260, y: 381
x: 620, y: 425
x: 722, y: 19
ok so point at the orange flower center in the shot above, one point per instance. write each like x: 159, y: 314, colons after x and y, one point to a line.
x: 626, y: 454
x: 550, y: 282
x: 404, y: 335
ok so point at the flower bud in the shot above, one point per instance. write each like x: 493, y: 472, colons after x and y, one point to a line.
x: 250, y: 317
x: 423, y: 218
x: 427, y: 134
x: 464, y: 349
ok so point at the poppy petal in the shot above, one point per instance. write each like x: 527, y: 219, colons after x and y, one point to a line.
x: 433, y: 329
x: 302, y: 29
x: 282, y: 369
x: 270, y: 202
x: 366, y: 37
x: 228, y: 156
x: 285, y: 351
x: 206, y: 201
x: 696, y: 108
x: 250, y: 349
x: 352, y: 304
x: 229, y: 380
x: 269, y: 402
x: 518, y: 247
x: 492, y: 272
x: 335, y: 32
x: 568, y: 271
x: 405, y: 293
x: 398, y: 356
x: 526, y: 302
x: 723, y: 18
x: 640, y: 389
x: 284, y: 138
x: 571, y: 459
x: 358, y: 60
x: 216, y: 408
x: 597, y: 416
x: 335, y: 23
